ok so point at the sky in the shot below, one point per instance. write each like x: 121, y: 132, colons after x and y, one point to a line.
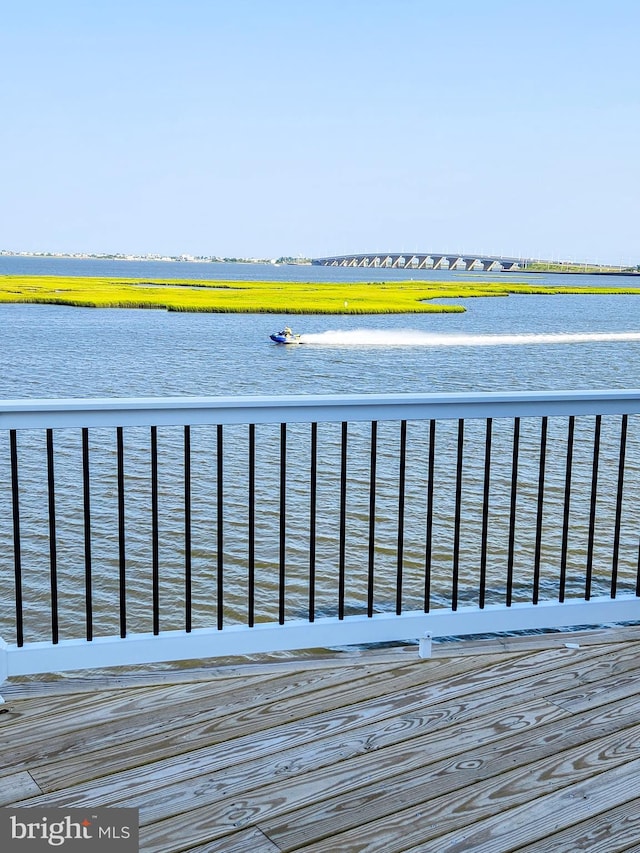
x: 263, y: 128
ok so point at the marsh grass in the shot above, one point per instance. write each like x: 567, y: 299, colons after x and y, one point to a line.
x: 272, y: 297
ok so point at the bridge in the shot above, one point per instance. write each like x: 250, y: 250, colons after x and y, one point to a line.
x: 425, y: 260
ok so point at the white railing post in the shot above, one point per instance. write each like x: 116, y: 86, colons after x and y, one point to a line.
x: 424, y: 646
x: 4, y: 664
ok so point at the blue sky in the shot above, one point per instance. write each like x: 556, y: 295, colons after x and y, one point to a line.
x: 275, y: 127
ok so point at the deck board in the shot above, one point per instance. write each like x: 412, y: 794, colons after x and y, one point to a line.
x: 178, y: 749
x: 525, y: 744
x: 616, y: 831
x: 16, y: 786
x: 488, y: 783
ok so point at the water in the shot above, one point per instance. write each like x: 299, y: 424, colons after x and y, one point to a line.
x: 517, y: 343
x: 514, y: 343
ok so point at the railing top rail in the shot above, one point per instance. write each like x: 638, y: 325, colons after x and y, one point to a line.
x: 157, y: 411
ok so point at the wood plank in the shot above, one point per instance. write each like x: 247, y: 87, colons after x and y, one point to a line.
x: 27, y: 710
x: 120, y: 717
x: 247, y: 841
x: 140, y: 752
x: 558, y: 639
x: 334, y: 782
x: 195, y: 790
x: 239, y: 668
x: 134, y: 747
x: 253, y: 747
x: 373, y: 736
x: 377, y: 728
x: 529, y: 823
x: 17, y: 786
x: 613, y: 831
x: 536, y: 641
x: 75, y: 715
x: 371, y: 811
x: 353, y: 790
x: 312, y: 744
x: 73, y: 710
x: 251, y: 770
x: 592, y: 693
x: 425, y: 753
x: 600, y: 662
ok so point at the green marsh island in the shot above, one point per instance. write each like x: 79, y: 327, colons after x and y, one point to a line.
x: 267, y: 297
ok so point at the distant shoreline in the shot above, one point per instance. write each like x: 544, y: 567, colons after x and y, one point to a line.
x: 168, y: 259
x: 579, y: 272
x: 281, y: 261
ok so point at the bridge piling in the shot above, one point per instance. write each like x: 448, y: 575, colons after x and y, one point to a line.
x: 422, y: 261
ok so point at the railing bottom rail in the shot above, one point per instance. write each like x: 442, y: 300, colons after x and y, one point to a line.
x: 77, y: 654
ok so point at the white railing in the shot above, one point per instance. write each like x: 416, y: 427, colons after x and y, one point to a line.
x: 409, y: 517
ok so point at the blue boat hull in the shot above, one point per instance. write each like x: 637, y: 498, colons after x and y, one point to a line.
x: 284, y: 339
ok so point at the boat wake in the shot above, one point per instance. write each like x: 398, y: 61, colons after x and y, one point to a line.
x: 412, y: 338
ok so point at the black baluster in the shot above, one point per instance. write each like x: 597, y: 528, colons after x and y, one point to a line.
x: 283, y: 523
x: 372, y: 517
x: 187, y: 532
x: 17, y: 550
x: 429, y: 528
x: 252, y: 527
x: 343, y: 521
x: 485, y: 513
x: 457, y: 516
x: 53, y: 558
x: 616, y: 535
x: 512, y: 509
x: 122, y: 565
x: 565, y: 517
x: 220, y: 527
x: 86, y: 492
x: 592, y: 508
x: 155, y: 564
x: 540, y: 510
x: 401, y: 502
x: 313, y: 498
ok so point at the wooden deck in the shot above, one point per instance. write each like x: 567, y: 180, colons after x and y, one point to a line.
x: 530, y: 744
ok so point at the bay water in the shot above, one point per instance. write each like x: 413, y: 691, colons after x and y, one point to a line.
x: 558, y: 342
